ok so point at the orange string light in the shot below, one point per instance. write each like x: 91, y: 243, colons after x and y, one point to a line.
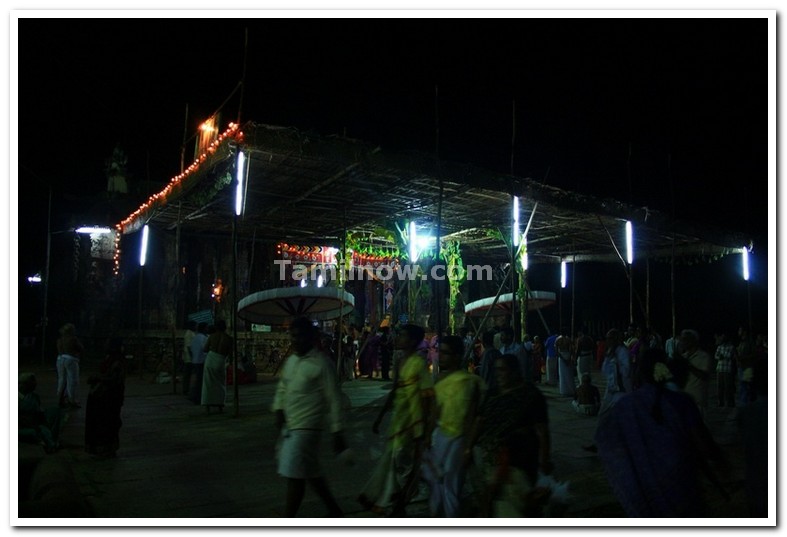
x: 231, y: 132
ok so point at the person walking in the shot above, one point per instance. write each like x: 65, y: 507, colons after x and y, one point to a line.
x: 617, y: 371
x: 395, y: 477
x: 198, y: 355
x: 69, y: 350
x: 510, y: 444
x: 488, y: 362
x: 214, y: 379
x: 386, y: 351
x: 102, y: 412
x: 520, y: 350
x: 566, y: 368
x: 725, y: 381
x: 307, y: 397
x: 654, y: 446
x: 458, y: 395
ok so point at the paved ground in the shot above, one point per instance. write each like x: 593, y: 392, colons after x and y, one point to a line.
x: 176, y: 461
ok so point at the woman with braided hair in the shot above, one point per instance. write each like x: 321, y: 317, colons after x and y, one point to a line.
x: 653, y: 445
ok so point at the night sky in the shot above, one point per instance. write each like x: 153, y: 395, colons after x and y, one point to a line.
x: 602, y: 106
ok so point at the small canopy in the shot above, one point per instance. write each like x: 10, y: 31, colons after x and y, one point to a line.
x: 536, y: 300
x: 281, y: 305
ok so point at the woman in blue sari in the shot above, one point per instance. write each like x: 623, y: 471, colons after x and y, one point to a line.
x: 653, y: 446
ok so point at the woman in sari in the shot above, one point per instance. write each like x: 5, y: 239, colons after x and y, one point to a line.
x: 107, y: 391
x: 214, y: 379
x: 653, y: 446
x: 510, y: 444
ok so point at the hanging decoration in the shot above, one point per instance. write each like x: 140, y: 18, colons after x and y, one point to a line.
x: 457, y: 275
x: 363, y: 243
x: 324, y: 255
x: 217, y: 290
x: 232, y: 133
x: 116, y: 257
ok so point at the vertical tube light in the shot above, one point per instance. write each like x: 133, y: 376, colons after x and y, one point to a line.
x: 515, y: 226
x: 240, y: 172
x: 562, y: 274
x: 629, y: 243
x: 745, y: 261
x: 413, y: 246
x: 143, y: 247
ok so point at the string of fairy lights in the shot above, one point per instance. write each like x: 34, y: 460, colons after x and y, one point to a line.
x: 232, y: 132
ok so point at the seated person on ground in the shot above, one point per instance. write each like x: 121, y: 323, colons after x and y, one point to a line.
x: 587, y: 398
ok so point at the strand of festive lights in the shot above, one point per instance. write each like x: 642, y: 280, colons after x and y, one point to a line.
x: 232, y: 132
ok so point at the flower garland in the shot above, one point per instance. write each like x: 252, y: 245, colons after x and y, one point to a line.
x: 661, y: 372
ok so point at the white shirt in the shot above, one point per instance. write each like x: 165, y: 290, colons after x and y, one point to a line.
x: 511, y: 348
x: 671, y: 347
x: 308, y: 393
x: 198, y: 353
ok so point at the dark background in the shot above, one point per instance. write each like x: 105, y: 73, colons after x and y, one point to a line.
x: 665, y: 113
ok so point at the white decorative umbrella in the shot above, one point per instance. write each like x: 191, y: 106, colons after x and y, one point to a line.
x: 535, y: 300
x: 280, y: 305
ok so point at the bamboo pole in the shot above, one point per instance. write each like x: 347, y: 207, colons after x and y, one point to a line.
x: 472, y: 322
x: 631, y: 294
x: 340, y: 356
x: 647, y: 293
x: 627, y: 271
x: 672, y: 287
x: 514, y: 323
x: 243, y: 75
x: 437, y: 292
x: 176, y: 300
x: 44, y: 319
x: 538, y: 310
x: 236, y: 402
x: 573, y: 292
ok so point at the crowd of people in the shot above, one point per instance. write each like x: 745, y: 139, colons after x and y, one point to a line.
x: 467, y: 416
x: 206, y: 354
x: 470, y: 412
x: 444, y: 429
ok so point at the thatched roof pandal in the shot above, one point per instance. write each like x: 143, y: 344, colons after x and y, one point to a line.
x: 309, y: 189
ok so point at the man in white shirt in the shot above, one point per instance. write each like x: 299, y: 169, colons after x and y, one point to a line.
x: 307, y: 394
x: 617, y: 370
x: 517, y: 349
